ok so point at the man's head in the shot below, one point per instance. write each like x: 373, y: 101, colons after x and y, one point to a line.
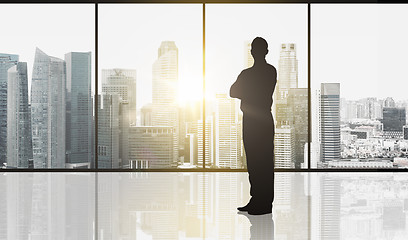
x: 259, y: 48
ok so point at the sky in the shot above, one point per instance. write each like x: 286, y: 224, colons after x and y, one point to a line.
x: 364, y: 47
x: 54, y: 28
x: 130, y: 34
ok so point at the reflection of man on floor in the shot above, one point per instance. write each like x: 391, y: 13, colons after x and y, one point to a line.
x: 255, y: 87
x: 262, y: 227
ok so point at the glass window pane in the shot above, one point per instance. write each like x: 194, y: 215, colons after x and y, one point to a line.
x: 150, y: 85
x: 230, y: 29
x: 359, y: 104
x: 46, y: 85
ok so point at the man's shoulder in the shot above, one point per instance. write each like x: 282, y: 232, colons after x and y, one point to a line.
x: 245, y: 72
x: 271, y: 67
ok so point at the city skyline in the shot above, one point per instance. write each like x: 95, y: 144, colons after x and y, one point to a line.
x: 386, y: 102
x: 162, y: 85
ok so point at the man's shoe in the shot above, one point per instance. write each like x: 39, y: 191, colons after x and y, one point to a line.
x: 249, y: 205
x: 261, y: 211
x: 245, y: 208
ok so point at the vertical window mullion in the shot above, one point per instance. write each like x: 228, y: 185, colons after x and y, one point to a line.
x: 204, y: 117
x: 309, y: 106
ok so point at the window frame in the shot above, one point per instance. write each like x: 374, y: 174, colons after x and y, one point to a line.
x: 203, y: 3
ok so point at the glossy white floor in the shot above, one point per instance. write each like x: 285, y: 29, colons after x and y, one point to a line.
x: 201, y: 206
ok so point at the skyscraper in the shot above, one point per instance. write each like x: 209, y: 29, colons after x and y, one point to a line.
x: 330, y: 121
x: 6, y: 61
x: 287, y: 79
x: 165, y: 90
x: 48, y: 111
x: 19, y: 140
x: 285, y: 109
x: 210, y: 143
x: 113, y: 127
x: 78, y: 108
x: 298, y: 101
x: 288, y: 70
x: 122, y: 82
x: 284, y: 147
x: 316, y: 129
x: 227, y: 133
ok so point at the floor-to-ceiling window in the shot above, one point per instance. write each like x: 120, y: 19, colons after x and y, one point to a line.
x: 164, y: 73
x: 150, y: 86
x: 230, y: 29
x: 47, y: 68
x: 358, y: 58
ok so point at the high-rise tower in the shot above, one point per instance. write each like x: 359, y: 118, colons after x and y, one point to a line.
x: 227, y: 133
x: 122, y: 82
x: 48, y: 111
x: 298, y: 101
x: 165, y: 90
x: 78, y: 109
x: 19, y: 142
x: 330, y: 121
x: 6, y: 62
x: 284, y: 108
x: 287, y: 79
x: 288, y: 70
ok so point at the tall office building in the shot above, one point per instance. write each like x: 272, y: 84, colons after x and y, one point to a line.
x: 227, y: 133
x: 288, y: 70
x: 48, y: 111
x: 287, y: 79
x: 19, y: 140
x: 113, y: 127
x: 330, y: 121
x: 284, y: 147
x: 78, y: 109
x: 285, y: 109
x: 165, y: 90
x: 108, y: 131
x: 374, y: 108
x: 189, y: 113
x: 122, y: 82
x: 298, y: 101
x: 190, y: 149
x: 316, y: 129
x: 6, y: 61
x: 151, y: 147
x: 210, y: 143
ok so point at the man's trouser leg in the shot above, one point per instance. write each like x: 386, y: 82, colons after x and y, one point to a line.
x: 258, y: 136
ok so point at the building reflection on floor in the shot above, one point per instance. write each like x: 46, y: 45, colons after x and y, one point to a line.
x: 201, y: 206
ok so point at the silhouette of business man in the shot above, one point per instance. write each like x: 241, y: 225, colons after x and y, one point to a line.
x: 255, y: 87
